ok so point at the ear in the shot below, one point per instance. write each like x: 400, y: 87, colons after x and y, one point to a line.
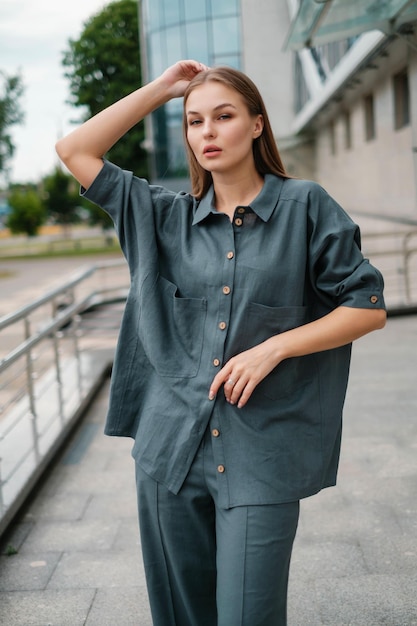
x: 258, y: 127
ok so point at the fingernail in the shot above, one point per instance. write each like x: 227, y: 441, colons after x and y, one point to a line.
x: 211, y: 396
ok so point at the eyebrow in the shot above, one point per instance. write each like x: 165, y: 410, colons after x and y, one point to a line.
x: 219, y: 106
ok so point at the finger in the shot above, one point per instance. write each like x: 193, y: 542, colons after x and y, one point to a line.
x: 191, y: 67
x: 229, y: 387
x: 233, y: 393
x: 220, y: 378
x: 246, y: 394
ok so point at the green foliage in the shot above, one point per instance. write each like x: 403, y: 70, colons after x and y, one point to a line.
x: 61, y: 197
x: 103, y: 65
x: 98, y: 217
x: 11, y: 550
x: 63, y: 201
x: 28, y: 212
x: 11, y: 89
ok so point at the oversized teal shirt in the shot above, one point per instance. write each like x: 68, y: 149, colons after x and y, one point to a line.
x: 203, y: 289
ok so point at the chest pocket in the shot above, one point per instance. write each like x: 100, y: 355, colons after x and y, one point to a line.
x: 171, y: 329
x: 290, y: 376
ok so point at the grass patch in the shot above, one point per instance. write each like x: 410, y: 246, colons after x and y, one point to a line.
x: 11, y: 550
x: 61, y: 253
x: 6, y: 274
x: 60, y: 248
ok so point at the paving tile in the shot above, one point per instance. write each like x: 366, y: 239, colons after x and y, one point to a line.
x: 127, y: 537
x: 124, y: 607
x: 62, y: 507
x: 104, y: 569
x: 368, y: 601
x: 302, y: 603
x: 71, y: 536
x: 46, y: 608
x: 312, y: 561
x: 119, y: 506
x: 27, y: 573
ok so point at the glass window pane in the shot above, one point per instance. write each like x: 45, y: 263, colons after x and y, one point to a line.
x: 224, y: 7
x: 153, y: 15
x: 197, y: 45
x: 225, y: 35
x: 176, y: 164
x: 195, y: 9
x: 156, y: 55
x: 172, y: 12
x: 174, y: 44
x: 232, y: 60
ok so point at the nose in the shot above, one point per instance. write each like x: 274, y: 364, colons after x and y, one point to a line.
x: 208, y: 129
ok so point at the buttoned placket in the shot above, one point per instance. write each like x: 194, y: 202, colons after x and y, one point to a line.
x: 225, y: 297
x: 223, y: 321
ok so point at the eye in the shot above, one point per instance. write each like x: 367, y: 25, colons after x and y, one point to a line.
x: 225, y: 116
x: 194, y: 122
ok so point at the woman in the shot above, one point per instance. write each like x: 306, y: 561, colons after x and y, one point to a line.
x: 234, y: 350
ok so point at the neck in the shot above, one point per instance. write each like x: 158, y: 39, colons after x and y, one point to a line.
x: 230, y: 193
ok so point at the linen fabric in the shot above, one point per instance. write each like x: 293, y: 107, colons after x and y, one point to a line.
x: 203, y: 289
x: 207, y: 565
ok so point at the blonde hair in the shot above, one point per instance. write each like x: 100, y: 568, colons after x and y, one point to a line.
x: 265, y: 152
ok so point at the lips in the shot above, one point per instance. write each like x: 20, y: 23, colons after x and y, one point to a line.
x: 211, y: 149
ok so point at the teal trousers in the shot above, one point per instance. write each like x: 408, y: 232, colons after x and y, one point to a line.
x: 207, y: 566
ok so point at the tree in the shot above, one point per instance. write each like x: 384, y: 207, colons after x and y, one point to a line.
x: 28, y: 212
x: 98, y: 217
x: 103, y: 65
x: 11, y: 90
x: 62, y: 201
x: 61, y: 197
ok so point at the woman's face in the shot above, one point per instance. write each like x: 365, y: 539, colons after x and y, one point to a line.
x: 220, y: 129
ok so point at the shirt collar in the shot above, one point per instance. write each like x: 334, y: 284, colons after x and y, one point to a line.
x: 263, y: 205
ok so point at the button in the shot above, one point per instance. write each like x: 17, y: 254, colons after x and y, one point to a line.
x: 216, y: 362
x: 215, y: 432
x: 222, y: 325
x: 226, y: 290
x: 220, y: 469
x: 374, y: 299
x: 241, y: 209
x: 238, y: 221
x: 230, y: 255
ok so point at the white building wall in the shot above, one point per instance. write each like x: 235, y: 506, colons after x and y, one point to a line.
x: 265, y: 25
x: 375, y: 176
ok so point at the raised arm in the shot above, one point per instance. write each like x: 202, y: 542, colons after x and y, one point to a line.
x: 83, y: 149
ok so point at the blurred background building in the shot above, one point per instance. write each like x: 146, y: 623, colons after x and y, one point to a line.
x: 339, y: 79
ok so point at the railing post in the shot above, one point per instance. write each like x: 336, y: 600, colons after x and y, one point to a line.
x: 76, y: 334
x: 1, y: 488
x: 56, y: 337
x: 407, y: 254
x: 31, y: 393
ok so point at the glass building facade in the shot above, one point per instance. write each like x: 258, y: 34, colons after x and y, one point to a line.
x: 206, y: 30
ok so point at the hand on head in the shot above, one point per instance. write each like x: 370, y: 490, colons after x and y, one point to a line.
x: 178, y: 76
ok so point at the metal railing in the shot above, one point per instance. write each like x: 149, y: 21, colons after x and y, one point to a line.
x: 50, y: 366
x: 395, y: 254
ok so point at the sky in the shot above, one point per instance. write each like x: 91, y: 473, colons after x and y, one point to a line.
x: 33, y: 36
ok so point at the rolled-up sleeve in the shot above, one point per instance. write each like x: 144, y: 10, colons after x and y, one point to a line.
x: 338, y: 269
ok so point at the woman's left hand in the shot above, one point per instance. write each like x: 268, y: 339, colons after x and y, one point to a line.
x: 243, y: 372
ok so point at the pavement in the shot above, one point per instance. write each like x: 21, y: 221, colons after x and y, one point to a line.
x: 73, y: 557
